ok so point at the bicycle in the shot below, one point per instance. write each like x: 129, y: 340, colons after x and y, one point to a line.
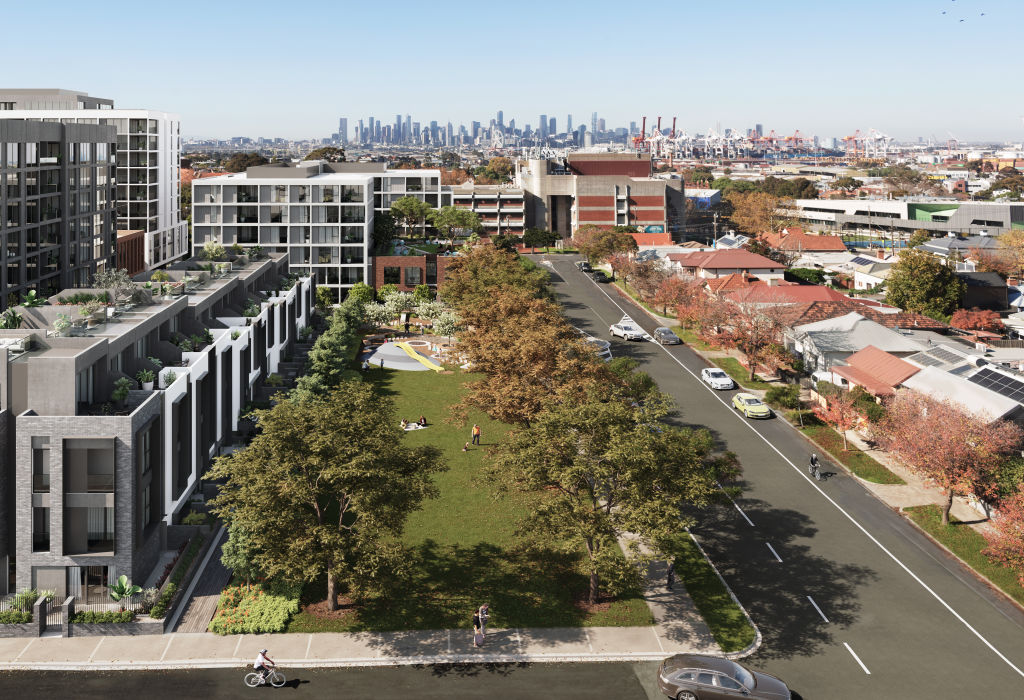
x: 255, y: 679
x: 814, y: 469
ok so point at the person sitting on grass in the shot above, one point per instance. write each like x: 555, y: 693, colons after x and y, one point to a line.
x: 422, y: 421
x: 405, y: 424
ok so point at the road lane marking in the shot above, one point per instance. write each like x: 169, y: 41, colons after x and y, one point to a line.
x: 654, y: 628
x: 97, y: 648
x: 810, y: 481
x: 734, y: 505
x: 856, y: 658
x: 776, y: 554
x: 817, y: 608
x: 519, y: 641
x: 238, y: 644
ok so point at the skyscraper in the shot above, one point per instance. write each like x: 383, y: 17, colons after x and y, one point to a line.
x: 501, y: 119
x: 600, y: 125
x: 372, y: 132
x: 552, y: 128
x: 759, y: 129
x: 543, y: 128
x: 407, y: 130
x: 593, y: 122
x: 568, y: 124
x: 343, y: 130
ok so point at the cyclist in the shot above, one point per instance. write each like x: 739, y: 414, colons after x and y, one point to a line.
x: 815, y: 466
x: 263, y: 664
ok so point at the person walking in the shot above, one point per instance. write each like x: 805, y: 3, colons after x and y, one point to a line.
x: 478, y: 635
x: 671, y: 577
x: 476, y: 434
x: 382, y: 363
x: 484, y: 612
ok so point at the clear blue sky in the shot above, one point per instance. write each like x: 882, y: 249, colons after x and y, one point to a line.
x: 291, y: 69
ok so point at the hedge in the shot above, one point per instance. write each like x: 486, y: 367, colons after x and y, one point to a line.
x: 91, y: 616
x: 160, y: 609
x: 13, y: 617
x: 251, y: 609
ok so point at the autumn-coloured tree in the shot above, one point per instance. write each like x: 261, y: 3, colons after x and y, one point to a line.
x: 997, y: 261
x: 646, y: 276
x: 756, y: 331
x: 471, y: 279
x: 676, y: 291
x: 944, y: 443
x: 1006, y: 537
x: 455, y: 176
x: 1011, y: 245
x: 840, y: 412
x: 758, y: 212
x: 599, y: 243
x: 977, y: 320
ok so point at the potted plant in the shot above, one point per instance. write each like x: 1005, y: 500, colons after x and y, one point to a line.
x: 121, y: 388
x: 89, y: 311
x: 146, y: 378
x: 169, y: 377
x: 62, y: 324
x: 10, y: 320
x: 156, y: 361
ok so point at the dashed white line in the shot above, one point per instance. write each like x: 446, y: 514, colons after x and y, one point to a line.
x: 737, y: 507
x: 838, y: 507
x: 654, y: 629
x: 519, y: 641
x: 449, y: 641
x: 774, y: 553
x: 97, y: 648
x: 817, y: 608
x: 856, y: 658
x: 170, y: 638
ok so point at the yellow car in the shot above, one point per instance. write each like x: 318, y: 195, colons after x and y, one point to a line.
x: 750, y: 406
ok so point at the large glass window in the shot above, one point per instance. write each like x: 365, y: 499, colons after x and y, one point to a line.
x: 100, y: 529
x: 392, y: 275
x: 413, y: 276
x: 40, y: 529
x: 41, y: 465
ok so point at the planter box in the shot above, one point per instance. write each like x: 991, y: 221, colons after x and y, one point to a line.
x: 19, y: 629
x: 115, y: 629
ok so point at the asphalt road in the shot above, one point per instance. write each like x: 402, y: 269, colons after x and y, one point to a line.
x: 851, y: 599
x: 620, y: 681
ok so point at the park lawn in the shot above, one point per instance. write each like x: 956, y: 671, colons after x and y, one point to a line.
x: 465, y: 544
x: 863, y: 465
x: 966, y: 543
x: 688, y: 336
x: 740, y: 374
x: 726, y: 620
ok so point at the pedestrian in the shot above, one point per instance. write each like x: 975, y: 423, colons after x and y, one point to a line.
x: 478, y: 635
x: 407, y: 328
x: 476, y: 434
x: 382, y: 363
x: 366, y: 365
x: 671, y: 578
x: 484, y: 613
x: 465, y: 448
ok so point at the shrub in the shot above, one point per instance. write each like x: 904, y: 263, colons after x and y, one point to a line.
x: 195, y: 519
x: 160, y: 276
x: 251, y: 310
x: 14, y: 617
x: 274, y: 380
x: 121, y: 388
x: 148, y: 598
x: 145, y: 375
x: 868, y: 407
x: 212, y: 250
x: 156, y: 361
x: 254, y: 609
x: 170, y: 376
x: 93, y: 617
x: 159, y: 611
x: 235, y: 334
x: 236, y: 249
x: 783, y: 396
x: 826, y: 389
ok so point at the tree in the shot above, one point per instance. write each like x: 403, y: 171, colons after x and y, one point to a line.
x: 117, y: 281
x: 452, y: 221
x: 1011, y: 245
x: 325, y: 298
x: 539, y: 237
x: 238, y: 554
x: 423, y: 293
x: 977, y: 320
x: 646, y: 276
x: 410, y: 211
x: 506, y: 242
x: 1006, y: 536
x: 398, y: 303
x: 325, y: 486
x: 598, y: 243
x: 472, y: 279
x: 332, y: 154
x: 676, y: 291
x: 240, y: 162
x: 919, y: 237
x: 386, y: 290
x: 840, y: 411
x: 921, y: 282
x: 604, y: 472
x: 377, y: 315
x: 429, y: 310
x: 385, y: 231
x: 846, y: 183
x: 942, y: 442
x: 361, y: 291
x: 450, y: 159
x: 756, y: 331
x: 447, y: 324
x: 757, y: 212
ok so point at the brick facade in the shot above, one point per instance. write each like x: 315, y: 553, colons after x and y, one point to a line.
x: 384, y: 265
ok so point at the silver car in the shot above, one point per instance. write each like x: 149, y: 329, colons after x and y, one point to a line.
x: 717, y: 379
x: 626, y: 331
x: 696, y: 677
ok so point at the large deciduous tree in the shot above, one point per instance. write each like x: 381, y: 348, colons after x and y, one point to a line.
x: 977, y: 320
x: 535, y: 237
x: 607, y: 467
x: 755, y: 330
x: 676, y: 291
x: 840, y: 411
x: 472, y: 279
x: 241, y: 161
x: 453, y: 221
x: 410, y: 211
x: 921, y: 282
x: 944, y: 443
x: 757, y: 212
x: 325, y: 487
x: 1006, y: 537
x: 332, y: 154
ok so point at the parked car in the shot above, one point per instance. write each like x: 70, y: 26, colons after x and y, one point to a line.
x: 584, y: 266
x: 750, y: 406
x: 627, y: 331
x: 717, y: 379
x: 665, y: 336
x: 600, y: 276
x: 696, y: 677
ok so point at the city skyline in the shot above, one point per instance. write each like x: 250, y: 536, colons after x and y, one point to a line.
x: 905, y: 69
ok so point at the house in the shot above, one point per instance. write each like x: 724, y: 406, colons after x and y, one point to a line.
x: 720, y: 263
x: 794, y: 240
x: 742, y: 282
x: 960, y: 247
x: 825, y: 343
x: 971, y: 395
x: 875, y: 371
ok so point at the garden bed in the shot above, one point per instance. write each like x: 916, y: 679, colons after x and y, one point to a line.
x: 728, y: 623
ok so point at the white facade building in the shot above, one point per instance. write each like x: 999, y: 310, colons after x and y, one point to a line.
x: 148, y: 175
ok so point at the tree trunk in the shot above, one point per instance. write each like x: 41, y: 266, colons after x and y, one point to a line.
x: 332, y: 592
x: 845, y: 447
x: 947, y: 507
x: 592, y: 599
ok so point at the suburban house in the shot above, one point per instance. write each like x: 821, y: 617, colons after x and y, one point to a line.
x: 795, y: 240
x: 826, y: 343
x: 721, y: 263
x: 875, y: 371
x: 985, y: 290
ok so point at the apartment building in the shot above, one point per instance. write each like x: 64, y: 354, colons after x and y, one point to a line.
x: 906, y: 216
x: 57, y: 203
x: 501, y: 209
x: 320, y: 215
x: 88, y: 486
x: 147, y: 160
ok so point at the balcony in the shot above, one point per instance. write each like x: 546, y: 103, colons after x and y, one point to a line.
x: 100, y: 483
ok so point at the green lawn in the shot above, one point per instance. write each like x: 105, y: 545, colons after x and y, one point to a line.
x: 690, y: 337
x: 860, y: 463
x: 726, y: 620
x: 636, y: 297
x: 739, y: 373
x: 966, y: 544
x: 465, y: 544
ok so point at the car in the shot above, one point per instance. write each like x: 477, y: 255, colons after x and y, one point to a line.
x: 665, y: 336
x: 750, y: 406
x: 717, y: 379
x: 600, y: 276
x: 627, y: 331
x: 697, y: 677
x: 584, y: 266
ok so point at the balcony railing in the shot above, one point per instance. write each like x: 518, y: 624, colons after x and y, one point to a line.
x: 41, y: 483
x: 100, y: 483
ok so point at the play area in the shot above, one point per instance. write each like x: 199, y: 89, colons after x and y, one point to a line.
x: 418, y: 353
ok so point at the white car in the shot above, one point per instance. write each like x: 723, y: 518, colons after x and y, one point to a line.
x: 626, y: 331
x: 717, y: 379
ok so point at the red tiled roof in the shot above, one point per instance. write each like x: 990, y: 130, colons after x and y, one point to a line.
x: 724, y: 259
x: 738, y: 281
x: 789, y: 293
x: 876, y: 370
x: 814, y: 311
x: 797, y: 240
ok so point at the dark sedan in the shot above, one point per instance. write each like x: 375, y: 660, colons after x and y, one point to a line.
x: 665, y: 336
x: 696, y: 677
x: 600, y: 276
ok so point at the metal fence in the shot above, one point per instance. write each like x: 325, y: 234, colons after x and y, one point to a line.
x: 55, y: 616
x: 133, y: 603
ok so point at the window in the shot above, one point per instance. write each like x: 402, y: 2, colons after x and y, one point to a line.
x: 145, y: 509
x: 729, y: 683
x: 40, y: 529
x: 392, y: 275
x: 704, y: 678
x: 413, y: 276
x: 431, y: 272
x: 145, y: 451
x: 40, y: 465
x: 100, y: 529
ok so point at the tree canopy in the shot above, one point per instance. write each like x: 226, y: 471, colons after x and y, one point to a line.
x: 599, y: 243
x: 452, y: 221
x: 921, y: 282
x: 539, y: 237
x: 331, y: 154
x: 757, y: 212
x: 239, y: 162
x: 410, y: 211
x: 385, y: 230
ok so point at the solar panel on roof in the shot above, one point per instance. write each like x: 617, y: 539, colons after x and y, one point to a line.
x: 859, y: 260
x: 925, y: 359
x: 1002, y: 384
x: 944, y: 355
x: 961, y: 370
